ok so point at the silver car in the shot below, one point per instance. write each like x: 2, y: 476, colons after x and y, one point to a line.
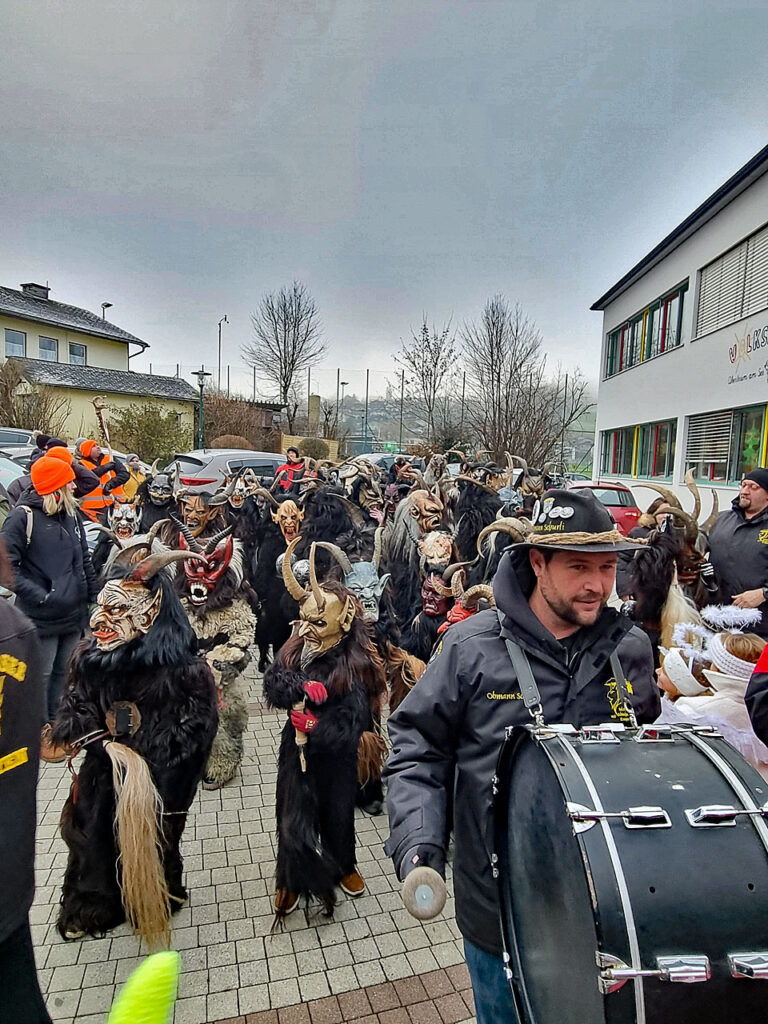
x: 205, y: 468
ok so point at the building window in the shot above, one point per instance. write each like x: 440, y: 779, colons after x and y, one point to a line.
x: 15, y: 343
x: 647, y: 450
x: 649, y: 333
x: 48, y: 349
x: 734, y: 286
x: 77, y: 354
x: 723, y: 446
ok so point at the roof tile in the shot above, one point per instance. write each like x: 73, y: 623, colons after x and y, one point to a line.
x: 101, y: 379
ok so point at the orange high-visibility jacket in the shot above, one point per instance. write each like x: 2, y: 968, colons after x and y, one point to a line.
x: 95, y: 501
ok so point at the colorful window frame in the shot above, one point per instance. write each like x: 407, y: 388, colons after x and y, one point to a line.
x: 649, y: 333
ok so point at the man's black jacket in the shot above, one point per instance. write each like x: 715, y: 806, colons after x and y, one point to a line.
x: 447, y: 733
x: 739, y: 553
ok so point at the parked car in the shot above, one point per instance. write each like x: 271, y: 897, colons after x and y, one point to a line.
x: 9, y: 470
x: 385, y: 460
x: 17, y: 443
x: 205, y: 468
x: 617, y: 498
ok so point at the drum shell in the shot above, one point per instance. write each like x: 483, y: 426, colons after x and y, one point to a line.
x: 701, y: 891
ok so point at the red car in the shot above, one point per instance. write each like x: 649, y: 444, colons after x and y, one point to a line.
x: 616, y: 497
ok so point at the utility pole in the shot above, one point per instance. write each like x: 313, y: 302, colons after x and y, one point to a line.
x: 463, y: 392
x: 227, y: 380
x: 309, y: 392
x: 402, y: 396
x: 338, y: 384
x: 254, y: 383
x: 223, y: 320
x: 367, y: 382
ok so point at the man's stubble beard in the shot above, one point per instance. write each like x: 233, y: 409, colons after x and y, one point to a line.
x: 566, y: 611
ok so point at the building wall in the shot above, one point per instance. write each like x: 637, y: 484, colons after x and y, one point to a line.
x: 112, y: 355
x: 706, y: 374
x: 286, y: 440
x: 82, y: 421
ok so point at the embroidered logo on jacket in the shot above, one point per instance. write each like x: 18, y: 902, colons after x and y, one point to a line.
x: 615, y: 701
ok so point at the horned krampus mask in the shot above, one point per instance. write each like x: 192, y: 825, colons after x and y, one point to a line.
x: 123, y: 520
x: 203, y: 576
x: 127, y: 608
x: 362, y: 578
x: 324, y: 617
x: 242, y: 484
x: 159, y: 486
x: 426, y: 507
x: 289, y: 518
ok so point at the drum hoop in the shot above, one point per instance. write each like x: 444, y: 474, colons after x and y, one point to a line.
x: 621, y: 881
x: 733, y: 781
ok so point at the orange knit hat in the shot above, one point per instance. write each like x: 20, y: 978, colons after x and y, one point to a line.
x: 58, y: 452
x: 49, y: 475
x: 86, y: 447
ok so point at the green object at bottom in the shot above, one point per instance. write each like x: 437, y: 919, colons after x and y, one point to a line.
x: 150, y: 992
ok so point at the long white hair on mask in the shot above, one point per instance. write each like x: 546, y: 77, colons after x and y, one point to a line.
x: 677, y: 608
x: 138, y: 811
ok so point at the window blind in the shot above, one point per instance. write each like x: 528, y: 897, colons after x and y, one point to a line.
x: 721, y: 291
x: 756, y: 279
x: 709, y: 437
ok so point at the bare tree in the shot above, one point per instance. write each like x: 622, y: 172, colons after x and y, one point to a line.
x: 429, y: 361
x: 286, y: 341
x: 512, y: 404
x: 30, y: 406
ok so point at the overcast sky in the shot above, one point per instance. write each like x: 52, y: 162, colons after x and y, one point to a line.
x: 397, y: 156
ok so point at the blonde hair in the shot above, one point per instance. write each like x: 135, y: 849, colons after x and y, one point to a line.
x: 58, y: 501
x: 747, y: 646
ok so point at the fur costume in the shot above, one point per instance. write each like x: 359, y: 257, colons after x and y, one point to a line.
x: 156, y: 500
x: 143, y: 653
x: 224, y: 623
x: 317, y: 782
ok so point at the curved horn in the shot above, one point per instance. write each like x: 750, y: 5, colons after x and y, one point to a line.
x: 155, y: 529
x: 378, y: 539
x: 669, y: 496
x: 691, y: 526
x: 709, y: 522
x: 153, y: 469
x: 457, y: 584
x: 455, y: 451
x: 338, y: 554
x: 266, y: 494
x: 546, y: 466
x: 221, y: 496
x: 450, y: 571
x: 471, y: 598
x: 481, y: 451
x: 127, y: 555
x: 311, y: 487
x: 292, y: 585
x: 520, y: 461
x: 418, y: 476
x: 210, y: 547
x: 152, y: 564
x: 690, y: 483
x: 194, y: 543
x: 511, y: 527
x: 112, y: 536
x: 316, y: 589
x: 477, y: 483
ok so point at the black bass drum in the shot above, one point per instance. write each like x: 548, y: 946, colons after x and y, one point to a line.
x: 633, y: 876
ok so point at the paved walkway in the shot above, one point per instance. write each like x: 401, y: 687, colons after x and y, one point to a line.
x: 371, y: 962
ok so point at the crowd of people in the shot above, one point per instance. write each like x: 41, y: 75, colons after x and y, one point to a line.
x: 390, y: 613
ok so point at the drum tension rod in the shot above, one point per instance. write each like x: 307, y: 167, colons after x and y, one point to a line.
x: 632, y: 817
x: 685, y: 969
x: 719, y: 815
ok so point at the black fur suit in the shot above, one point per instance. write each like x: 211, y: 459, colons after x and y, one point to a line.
x: 316, y: 809
x: 174, y: 692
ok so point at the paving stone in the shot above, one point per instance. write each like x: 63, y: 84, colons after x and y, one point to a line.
x: 96, y: 1000
x: 325, y: 1011
x: 283, y: 993
x: 221, y: 1005
x: 313, y: 986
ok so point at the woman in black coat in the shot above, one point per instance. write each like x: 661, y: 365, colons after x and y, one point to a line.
x: 54, y: 577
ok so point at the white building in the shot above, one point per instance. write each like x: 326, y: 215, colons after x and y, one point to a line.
x: 684, y: 361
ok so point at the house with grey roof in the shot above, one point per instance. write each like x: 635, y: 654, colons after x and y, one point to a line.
x: 79, y: 355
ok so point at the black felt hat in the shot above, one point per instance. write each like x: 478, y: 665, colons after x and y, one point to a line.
x: 574, y: 521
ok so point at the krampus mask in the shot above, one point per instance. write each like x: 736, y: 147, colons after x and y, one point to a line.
x: 426, y: 507
x: 242, y: 484
x: 159, y: 487
x: 127, y: 608
x: 289, y: 518
x: 123, y: 520
x: 362, y: 578
x: 202, y: 577
x: 324, y: 617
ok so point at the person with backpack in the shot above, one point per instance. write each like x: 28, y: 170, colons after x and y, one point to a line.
x: 54, y: 577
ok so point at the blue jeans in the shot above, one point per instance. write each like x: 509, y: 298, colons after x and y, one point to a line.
x: 493, y: 993
x: 55, y: 653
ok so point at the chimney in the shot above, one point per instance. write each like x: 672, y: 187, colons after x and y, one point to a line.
x: 35, y: 291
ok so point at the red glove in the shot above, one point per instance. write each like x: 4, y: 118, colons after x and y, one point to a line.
x: 316, y: 692
x: 303, y: 721
x: 457, y: 614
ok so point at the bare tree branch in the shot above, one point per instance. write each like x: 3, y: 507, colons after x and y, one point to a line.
x: 429, y: 360
x: 287, y: 339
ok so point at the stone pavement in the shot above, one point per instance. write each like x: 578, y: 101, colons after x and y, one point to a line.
x: 371, y: 962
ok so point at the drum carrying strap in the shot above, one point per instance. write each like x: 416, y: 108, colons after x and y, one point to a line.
x: 530, y: 691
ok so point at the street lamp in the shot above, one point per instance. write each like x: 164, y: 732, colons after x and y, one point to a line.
x: 201, y: 374
x: 340, y: 427
x: 223, y: 320
x: 104, y: 307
